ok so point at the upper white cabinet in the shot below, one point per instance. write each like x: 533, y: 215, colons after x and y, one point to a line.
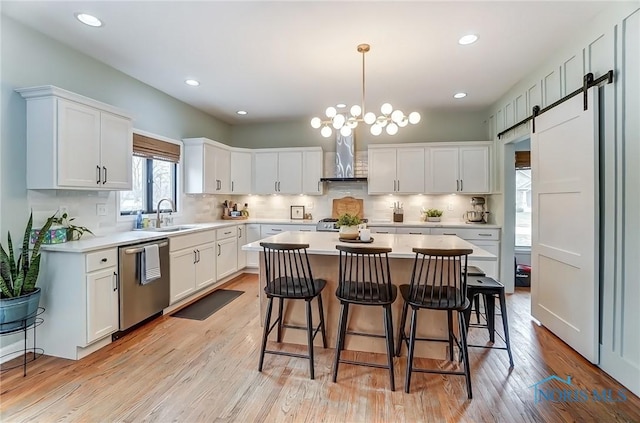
x: 280, y: 170
x: 74, y: 142
x: 312, y: 165
x: 396, y: 170
x: 241, y: 172
x: 207, y: 167
x: 458, y: 168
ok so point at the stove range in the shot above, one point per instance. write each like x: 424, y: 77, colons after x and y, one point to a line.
x: 329, y: 225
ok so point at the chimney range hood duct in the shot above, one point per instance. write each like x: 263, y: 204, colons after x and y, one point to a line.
x: 345, y: 159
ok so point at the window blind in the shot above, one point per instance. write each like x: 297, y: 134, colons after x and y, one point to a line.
x: 523, y: 160
x: 151, y: 148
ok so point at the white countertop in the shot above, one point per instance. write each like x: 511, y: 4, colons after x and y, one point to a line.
x: 91, y: 243
x: 324, y: 243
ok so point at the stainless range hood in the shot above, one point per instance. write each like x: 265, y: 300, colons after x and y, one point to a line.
x: 345, y: 159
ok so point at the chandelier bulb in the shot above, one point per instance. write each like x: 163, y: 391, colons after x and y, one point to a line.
x: 326, y: 131
x: 386, y: 109
x: 392, y: 129
x: 369, y: 118
x: 404, y: 122
x: 414, y: 117
x: 397, y: 116
x: 376, y: 129
x: 345, y: 131
x: 382, y: 121
x: 316, y: 123
x: 338, y: 121
x: 331, y: 112
x: 352, y: 122
x: 356, y: 110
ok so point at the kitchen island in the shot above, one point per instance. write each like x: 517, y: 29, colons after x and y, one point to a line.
x: 323, y: 257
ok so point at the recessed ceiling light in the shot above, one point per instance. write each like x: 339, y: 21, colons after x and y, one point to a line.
x: 87, y: 19
x: 192, y: 82
x: 468, y: 39
x: 459, y: 95
x: 341, y: 105
x: 241, y: 112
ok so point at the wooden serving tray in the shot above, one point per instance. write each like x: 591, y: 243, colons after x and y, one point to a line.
x: 356, y: 241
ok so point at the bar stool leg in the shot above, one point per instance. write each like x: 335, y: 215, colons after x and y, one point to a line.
x: 412, y: 344
x: 265, y: 332
x: 388, y: 331
x: 310, y: 337
x: 401, y: 335
x: 450, y: 325
x: 321, y: 313
x: 505, y: 324
x: 344, y: 310
x: 280, y: 308
x: 490, y: 304
x: 465, y: 353
x: 476, y: 302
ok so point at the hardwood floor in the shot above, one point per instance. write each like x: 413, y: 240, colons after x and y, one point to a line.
x: 175, y: 369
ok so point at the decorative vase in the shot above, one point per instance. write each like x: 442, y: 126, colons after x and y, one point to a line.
x: 19, y: 312
x: 348, y: 232
x: 433, y: 219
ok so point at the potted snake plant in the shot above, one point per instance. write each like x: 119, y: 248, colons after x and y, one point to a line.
x: 19, y: 296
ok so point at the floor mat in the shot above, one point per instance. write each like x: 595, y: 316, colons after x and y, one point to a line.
x: 205, y: 307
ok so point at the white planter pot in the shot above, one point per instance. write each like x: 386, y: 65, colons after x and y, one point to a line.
x: 433, y: 219
x: 348, y: 232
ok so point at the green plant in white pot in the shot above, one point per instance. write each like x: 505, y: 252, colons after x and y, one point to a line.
x: 19, y: 296
x: 348, y: 225
x: 433, y: 215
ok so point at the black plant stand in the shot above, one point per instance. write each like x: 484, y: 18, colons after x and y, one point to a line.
x: 37, y: 352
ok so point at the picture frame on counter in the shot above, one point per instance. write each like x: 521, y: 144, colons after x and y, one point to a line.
x: 297, y: 212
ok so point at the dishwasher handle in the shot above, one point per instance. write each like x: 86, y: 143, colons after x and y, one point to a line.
x: 137, y: 250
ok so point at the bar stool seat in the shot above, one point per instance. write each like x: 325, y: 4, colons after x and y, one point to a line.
x: 489, y: 289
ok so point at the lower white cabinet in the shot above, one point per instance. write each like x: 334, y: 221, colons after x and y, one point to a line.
x: 102, y: 303
x: 253, y: 235
x: 192, y: 263
x: 226, y: 251
x: 487, y: 239
x: 80, y: 297
x: 242, y: 240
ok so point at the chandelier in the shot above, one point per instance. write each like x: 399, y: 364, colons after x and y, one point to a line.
x: 390, y: 120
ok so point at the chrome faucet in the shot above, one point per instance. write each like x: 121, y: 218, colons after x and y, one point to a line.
x: 173, y: 208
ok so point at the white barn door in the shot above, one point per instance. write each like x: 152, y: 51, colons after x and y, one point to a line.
x: 564, y: 248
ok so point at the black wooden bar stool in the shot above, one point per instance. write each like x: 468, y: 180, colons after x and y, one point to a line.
x: 365, y: 280
x: 288, y: 276
x: 438, y: 282
x: 489, y: 288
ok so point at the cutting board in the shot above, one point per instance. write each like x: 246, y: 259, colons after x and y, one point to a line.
x: 353, y: 206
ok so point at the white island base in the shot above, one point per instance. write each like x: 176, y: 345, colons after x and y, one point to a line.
x: 323, y: 257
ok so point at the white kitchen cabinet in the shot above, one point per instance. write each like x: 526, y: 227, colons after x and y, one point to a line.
x: 458, y: 169
x: 192, y: 263
x: 488, y: 239
x: 102, y: 303
x: 278, y: 172
x: 74, y: 142
x: 241, y: 172
x: 312, y: 171
x: 253, y: 235
x: 396, y: 170
x: 207, y: 167
x: 227, y: 251
x: 242, y: 240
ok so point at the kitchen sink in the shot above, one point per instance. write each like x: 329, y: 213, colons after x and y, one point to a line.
x: 171, y: 228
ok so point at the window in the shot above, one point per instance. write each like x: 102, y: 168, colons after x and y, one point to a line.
x: 523, y: 199
x: 154, y: 176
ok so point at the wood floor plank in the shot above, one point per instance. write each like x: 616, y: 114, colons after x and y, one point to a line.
x: 182, y: 370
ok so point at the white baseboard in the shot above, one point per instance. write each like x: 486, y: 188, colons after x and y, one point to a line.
x: 11, y: 351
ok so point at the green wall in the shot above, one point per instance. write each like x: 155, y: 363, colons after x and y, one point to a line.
x: 29, y: 58
x: 435, y: 126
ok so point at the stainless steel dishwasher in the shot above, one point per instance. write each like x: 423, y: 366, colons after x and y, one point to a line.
x: 137, y: 301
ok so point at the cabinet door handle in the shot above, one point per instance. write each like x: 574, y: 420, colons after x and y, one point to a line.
x: 445, y: 233
x: 279, y: 186
x: 415, y: 233
x: 239, y: 232
x: 115, y: 281
x: 97, y: 174
x: 103, y: 260
x: 104, y: 179
x: 398, y: 185
x: 219, y: 250
x: 232, y: 186
x: 195, y: 255
x: 457, y: 185
x: 276, y: 230
x: 198, y: 255
x: 275, y: 186
x: 484, y: 234
x: 318, y: 186
x: 461, y: 188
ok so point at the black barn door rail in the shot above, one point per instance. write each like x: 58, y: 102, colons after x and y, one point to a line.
x: 587, y: 82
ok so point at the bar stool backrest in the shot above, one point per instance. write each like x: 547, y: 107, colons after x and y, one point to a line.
x: 287, y: 268
x: 439, y: 277
x: 364, y: 273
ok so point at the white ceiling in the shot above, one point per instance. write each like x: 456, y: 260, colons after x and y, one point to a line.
x: 290, y: 60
